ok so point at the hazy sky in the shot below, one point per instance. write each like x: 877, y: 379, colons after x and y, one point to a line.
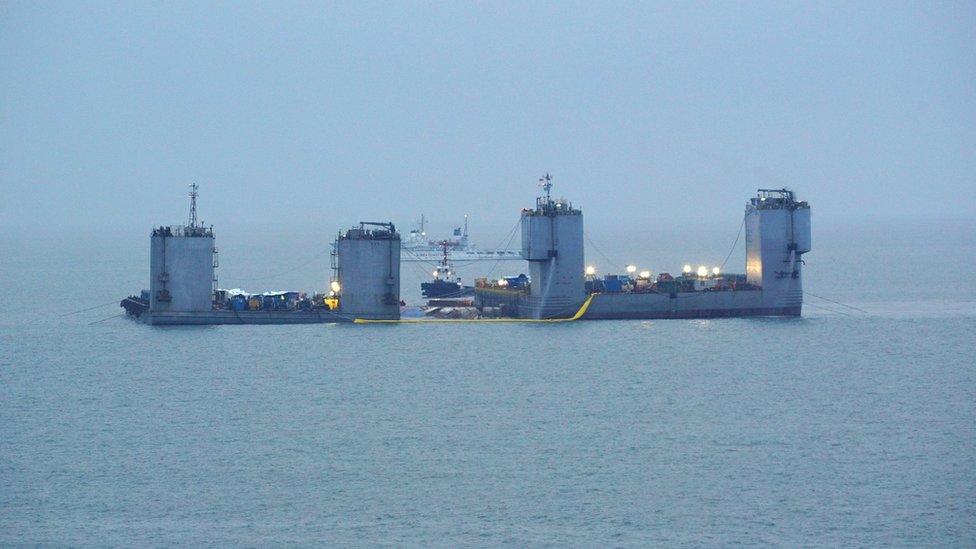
x: 312, y: 115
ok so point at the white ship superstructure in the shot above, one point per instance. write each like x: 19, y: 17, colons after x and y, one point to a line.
x: 419, y: 247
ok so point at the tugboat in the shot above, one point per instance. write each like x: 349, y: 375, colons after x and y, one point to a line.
x: 443, y: 286
x: 135, y: 306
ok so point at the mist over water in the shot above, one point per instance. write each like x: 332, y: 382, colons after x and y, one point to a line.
x: 304, y: 116
x: 854, y: 425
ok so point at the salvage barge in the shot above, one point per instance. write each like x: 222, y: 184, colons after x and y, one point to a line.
x: 777, y: 234
x: 365, y: 282
x: 183, y: 288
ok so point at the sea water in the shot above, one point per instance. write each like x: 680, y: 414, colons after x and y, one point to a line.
x: 848, y: 426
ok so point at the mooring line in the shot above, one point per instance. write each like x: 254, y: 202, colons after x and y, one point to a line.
x: 837, y: 302
x: 106, y: 318
x: 90, y: 308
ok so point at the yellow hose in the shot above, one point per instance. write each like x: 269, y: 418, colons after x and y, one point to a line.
x: 579, y: 314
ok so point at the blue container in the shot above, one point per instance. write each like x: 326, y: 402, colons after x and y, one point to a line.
x: 615, y: 283
x: 519, y: 281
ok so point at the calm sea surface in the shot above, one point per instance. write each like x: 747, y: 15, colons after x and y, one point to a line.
x: 839, y: 428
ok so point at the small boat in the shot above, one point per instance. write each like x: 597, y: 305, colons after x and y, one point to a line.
x: 443, y: 286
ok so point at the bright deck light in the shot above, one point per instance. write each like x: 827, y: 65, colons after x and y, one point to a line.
x: 645, y: 274
x: 716, y: 271
x: 334, y: 286
x: 702, y: 271
x: 590, y: 270
x: 686, y: 269
x: 631, y: 269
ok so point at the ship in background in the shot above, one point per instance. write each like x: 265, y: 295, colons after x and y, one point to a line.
x: 418, y: 247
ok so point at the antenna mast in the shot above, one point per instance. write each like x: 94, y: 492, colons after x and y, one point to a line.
x: 546, y: 183
x: 193, y: 204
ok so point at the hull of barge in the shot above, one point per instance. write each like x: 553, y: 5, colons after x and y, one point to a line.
x: 692, y: 305
x: 610, y: 306
x: 242, y: 317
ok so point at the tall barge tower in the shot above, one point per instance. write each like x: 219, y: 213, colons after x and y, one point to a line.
x: 777, y: 236
x: 552, y: 243
x: 368, y: 271
x: 182, y: 263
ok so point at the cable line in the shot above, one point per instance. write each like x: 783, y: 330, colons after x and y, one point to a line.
x: 106, y: 318
x: 507, y: 242
x: 114, y: 301
x: 837, y: 302
x: 821, y: 307
x: 599, y: 251
x: 737, y: 235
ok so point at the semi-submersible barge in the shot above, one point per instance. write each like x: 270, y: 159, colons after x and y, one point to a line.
x: 183, y: 288
x: 365, y: 283
x: 777, y: 234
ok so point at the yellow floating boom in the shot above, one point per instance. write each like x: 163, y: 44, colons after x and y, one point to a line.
x: 579, y: 314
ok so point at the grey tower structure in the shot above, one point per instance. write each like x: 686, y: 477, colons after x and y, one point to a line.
x: 777, y: 230
x: 777, y: 236
x: 552, y: 242
x: 367, y: 272
x: 182, y: 262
